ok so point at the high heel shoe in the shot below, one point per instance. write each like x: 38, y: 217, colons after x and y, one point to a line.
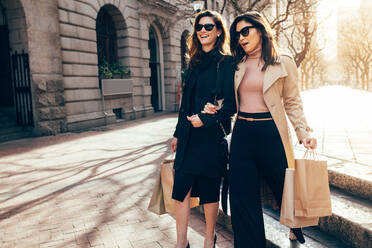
x: 188, y: 245
x: 296, y: 234
x: 215, y: 240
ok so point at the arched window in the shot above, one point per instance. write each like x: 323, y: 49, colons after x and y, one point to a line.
x: 154, y: 64
x: 106, y: 38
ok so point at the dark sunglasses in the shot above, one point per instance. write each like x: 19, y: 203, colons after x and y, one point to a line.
x: 244, y: 31
x: 207, y: 27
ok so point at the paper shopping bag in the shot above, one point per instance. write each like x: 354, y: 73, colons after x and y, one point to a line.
x: 161, y: 201
x: 287, y: 212
x: 167, y: 180
x: 157, y: 204
x: 312, y: 197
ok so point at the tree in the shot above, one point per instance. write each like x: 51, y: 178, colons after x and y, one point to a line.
x: 313, y: 67
x: 295, y: 21
x: 300, y: 30
x: 356, y: 48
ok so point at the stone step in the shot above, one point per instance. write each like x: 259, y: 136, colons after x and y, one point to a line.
x: 7, y: 119
x: 349, y: 176
x: 7, y: 111
x: 353, y: 178
x: 7, y: 124
x: 351, y: 188
x: 351, y: 219
x: 14, y: 136
x: 350, y: 223
x: 10, y: 129
x: 349, y: 226
x: 277, y: 234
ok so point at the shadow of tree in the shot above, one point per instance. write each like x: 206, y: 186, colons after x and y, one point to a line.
x: 102, y: 193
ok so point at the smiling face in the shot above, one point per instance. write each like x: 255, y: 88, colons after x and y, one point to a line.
x: 207, y: 38
x: 252, y: 40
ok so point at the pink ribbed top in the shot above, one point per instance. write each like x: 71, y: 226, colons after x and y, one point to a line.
x: 251, y: 87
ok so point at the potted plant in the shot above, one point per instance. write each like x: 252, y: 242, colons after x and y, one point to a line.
x: 114, y: 70
x: 118, y: 70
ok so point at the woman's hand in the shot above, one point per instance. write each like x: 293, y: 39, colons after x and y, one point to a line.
x: 195, y: 121
x: 309, y: 143
x: 209, y: 108
x: 174, y: 144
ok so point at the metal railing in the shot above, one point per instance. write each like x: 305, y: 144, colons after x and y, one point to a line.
x: 22, y: 88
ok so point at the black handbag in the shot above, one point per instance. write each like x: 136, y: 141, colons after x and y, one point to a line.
x: 224, y: 156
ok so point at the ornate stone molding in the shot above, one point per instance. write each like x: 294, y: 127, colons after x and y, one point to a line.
x: 162, y: 23
x: 159, y: 4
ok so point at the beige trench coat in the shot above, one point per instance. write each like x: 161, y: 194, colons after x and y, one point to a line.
x: 282, y: 98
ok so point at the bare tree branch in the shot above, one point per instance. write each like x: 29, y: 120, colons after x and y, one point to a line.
x: 283, y: 17
x: 223, y: 6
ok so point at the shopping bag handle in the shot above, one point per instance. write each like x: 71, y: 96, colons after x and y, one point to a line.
x: 311, y: 154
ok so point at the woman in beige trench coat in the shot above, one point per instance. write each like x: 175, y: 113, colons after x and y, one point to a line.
x: 266, y: 93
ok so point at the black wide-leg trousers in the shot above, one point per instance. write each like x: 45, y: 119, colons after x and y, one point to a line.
x: 256, y: 149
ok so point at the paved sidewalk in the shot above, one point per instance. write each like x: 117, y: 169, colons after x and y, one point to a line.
x: 89, y: 189
x: 342, y: 120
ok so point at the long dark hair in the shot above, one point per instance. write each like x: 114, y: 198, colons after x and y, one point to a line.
x: 222, y: 42
x: 270, y: 52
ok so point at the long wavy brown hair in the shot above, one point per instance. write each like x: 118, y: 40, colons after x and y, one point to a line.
x: 193, y: 43
x: 270, y: 51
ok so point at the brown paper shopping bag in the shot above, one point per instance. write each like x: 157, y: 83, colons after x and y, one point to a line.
x: 312, y: 195
x: 167, y: 180
x: 161, y: 201
x: 157, y: 204
x: 287, y: 212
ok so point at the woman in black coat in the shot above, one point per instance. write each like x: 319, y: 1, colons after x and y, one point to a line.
x: 199, y: 163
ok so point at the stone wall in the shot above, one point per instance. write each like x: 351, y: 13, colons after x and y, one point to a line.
x: 79, y: 60
x: 172, y: 70
x: 16, y: 25
x: 44, y: 49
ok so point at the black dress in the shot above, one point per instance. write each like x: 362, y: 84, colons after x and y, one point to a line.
x: 198, y: 152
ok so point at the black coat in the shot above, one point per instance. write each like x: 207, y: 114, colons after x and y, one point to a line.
x: 198, y: 149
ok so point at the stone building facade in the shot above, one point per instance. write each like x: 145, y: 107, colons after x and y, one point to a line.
x: 61, y: 41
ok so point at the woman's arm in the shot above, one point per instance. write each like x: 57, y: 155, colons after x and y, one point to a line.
x: 183, y: 103
x: 292, y: 100
x: 228, y: 108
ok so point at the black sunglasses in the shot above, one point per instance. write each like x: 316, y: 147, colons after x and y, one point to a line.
x: 207, y: 27
x: 244, y: 31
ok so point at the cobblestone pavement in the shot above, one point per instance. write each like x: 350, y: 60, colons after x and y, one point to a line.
x: 91, y: 189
